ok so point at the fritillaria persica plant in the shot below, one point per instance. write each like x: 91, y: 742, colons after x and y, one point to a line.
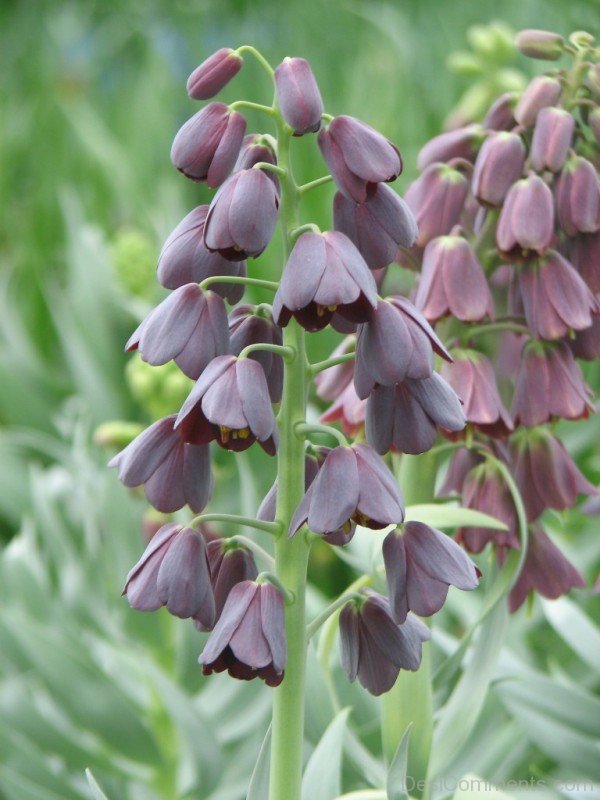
x: 509, y: 209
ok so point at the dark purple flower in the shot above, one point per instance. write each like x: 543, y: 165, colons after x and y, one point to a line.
x: 545, y: 473
x: 253, y: 325
x: 552, y: 138
x: 242, y: 216
x: 584, y: 255
x: 212, y: 75
x: 207, y: 145
x: 173, y: 472
x: 420, y: 565
x: 459, y: 143
x: 331, y: 382
x: 249, y: 639
x: 255, y: 150
x: 586, y: 344
x: 540, y: 44
x: 527, y: 217
x: 325, y: 274
x: 500, y: 115
x: 541, y: 92
x: 378, y: 227
x: 349, y: 410
x: 298, y: 96
x: 353, y: 485
x: 472, y: 378
x: 230, y: 563
x: 546, y: 571
x: 374, y: 648
x: 186, y: 259
x: 404, y: 417
x: 554, y: 298
x: 437, y: 200
x: 485, y: 489
x: 173, y: 572
x: 230, y: 403
x: 395, y: 343
x: 453, y: 282
x: 189, y: 327
x: 549, y: 385
x: 358, y: 157
x: 499, y: 164
x: 461, y: 463
x: 577, y: 194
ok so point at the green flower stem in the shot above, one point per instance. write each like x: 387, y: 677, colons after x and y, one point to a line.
x: 266, y: 167
x: 269, y: 577
x: 274, y: 528
x: 306, y: 187
x: 310, y: 227
x: 306, y: 428
x: 246, y: 104
x: 291, y: 555
x: 247, y: 48
x: 285, y: 351
x: 316, y: 623
x: 265, y: 557
x: 272, y: 285
x: 319, y: 366
x: 495, y: 327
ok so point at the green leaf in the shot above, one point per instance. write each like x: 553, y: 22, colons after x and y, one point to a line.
x: 322, y: 777
x: 444, y: 515
x: 396, y: 778
x: 96, y: 791
x: 258, y: 789
x: 575, y: 628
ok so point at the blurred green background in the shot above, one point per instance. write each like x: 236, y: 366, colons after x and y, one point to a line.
x: 93, y: 93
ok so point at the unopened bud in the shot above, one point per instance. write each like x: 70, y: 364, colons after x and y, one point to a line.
x: 298, y: 95
x: 213, y: 74
x: 540, y: 44
x: 551, y: 139
x: 541, y: 92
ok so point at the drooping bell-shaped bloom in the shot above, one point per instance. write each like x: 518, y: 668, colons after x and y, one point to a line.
x: 358, y: 157
x: 404, y: 417
x: 459, y: 143
x: 437, y: 199
x: 546, y: 571
x: 471, y: 375
x: 499, y: 164
x: 186, y: 259
x: 554, y: 298
x: 527, y: 217
x: 353, y: 485
x: 189, y: 327
x: 173, y: 472
x: 173, y: 572
x: 577, y: 194
x: 545, y: 473
x: 395, y: 343
x: 420, y: 565
x: 348, y: 409
x: 485, y: 489
x: 378, y: 227
x: 500, y: 115
x: 242, y: 216
x: 331, y: 382
x: 298, y: 96
x: 374, y: 648
x: 552, y: 137
x: 545, y: 45
x: 230, y: 563
x: 253, y: 325
x: 549, y: 385
x: 453, y: 282
x: 542, y: 91
x: 584, y: 254
x: 325, y: 274
x: 256, y: 150
x: 230, y: 403
x: 586, y: 344
x: 207, y: 145
x: 461, y: 463
x: 214, y: 74
x: 249, y: 639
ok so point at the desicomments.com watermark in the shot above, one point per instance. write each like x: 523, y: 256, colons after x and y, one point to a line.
x: 452, y: 783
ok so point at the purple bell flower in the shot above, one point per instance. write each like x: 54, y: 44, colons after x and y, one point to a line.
x: 527, y: 218
x: 353, y: 485
x: 459, y: 143
x: 325, y: 274
x: 186, y: 259
x: 500, y: 115
x: 358, y: 157
x: 420, y: 565
x: 252, y: 325
x: 584, y: 254
x: 349, y: 410
x: 461, y: 463
x: 173, y: 572
x: 437, y: 199
x: 331, y: 382
x: 485, y: 490
x: 249, y: 639
x: 577, y: 194
x: 378, y: 227
x: 189, y: 327
x: 230, y: 403
x: 256, y: 150
x: 541, y: 93
x: 230, y: 563
x: 403, y: 418
x: 298, y: 96
x: 552, y: 139
x: 207, y: 145
x: 242, y: 216
x: 396, y: 343
x: 214, y: 74
x: 499, y: 164
x: 374, y: 648
x: 586, y: 344
x: 173, y: 472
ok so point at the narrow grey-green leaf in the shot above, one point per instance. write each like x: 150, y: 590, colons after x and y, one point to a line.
x: 322, y: 777
x: 258, y: 789
x: 575, y: 628
x: 444, y: 515
x: 396, y: 777
x: 96, y: 791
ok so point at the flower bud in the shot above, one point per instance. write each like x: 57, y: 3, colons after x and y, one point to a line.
x: 230, y: 563
x: 541, y: 92
x: 213, y: 74
x: 545, y: 45
x: 298, y: 96
x: 552, y: 138
x: 460, y: 143
x: 207, y: 145
x: 527, y: 217
x: 500, y: 115
x: 486, y: 490
x: 499, y: 164
x: 577, y: 194
x: 247, y: 326
x: 437, y: 199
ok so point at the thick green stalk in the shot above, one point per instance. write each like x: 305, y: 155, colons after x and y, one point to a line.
x: 291, y: 555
